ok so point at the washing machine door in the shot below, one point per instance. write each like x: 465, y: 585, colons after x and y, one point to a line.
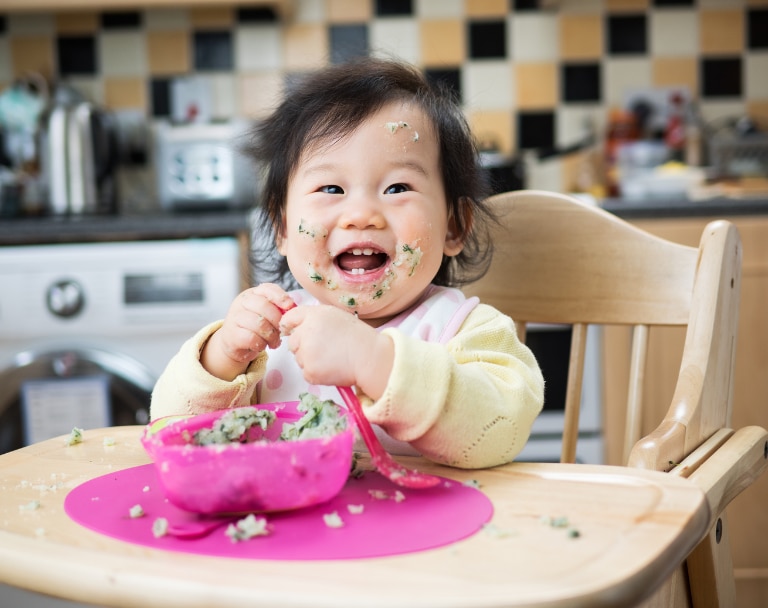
x: 36, y: 384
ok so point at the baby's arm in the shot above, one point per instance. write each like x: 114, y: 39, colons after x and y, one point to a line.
x: 251, y: 325
x: 470, y: 403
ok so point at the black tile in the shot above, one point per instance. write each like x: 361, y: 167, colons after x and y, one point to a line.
x: 389, y: 8
x: 256, y: 15
x: 627, y: 34
x: 525, y: 5
x: 487, y: 39
x: 449, y: 78
x: 77, y: 55
x: 120, y: 20
x: 348, y: 42
x: 3, y: 26
x: 213, y: 51
x: 160, y: 94
x: 757, y: 28
x: 580, y: 82
x: 674, y: 2
x: 721, y: 77
x: 535, y: 130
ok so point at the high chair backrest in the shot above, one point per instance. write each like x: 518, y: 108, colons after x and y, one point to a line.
x: 560, y: 260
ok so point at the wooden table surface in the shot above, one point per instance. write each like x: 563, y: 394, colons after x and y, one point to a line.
x: 634, y: 528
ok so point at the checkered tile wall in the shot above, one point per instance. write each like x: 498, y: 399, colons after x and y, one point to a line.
x: 529, y: 72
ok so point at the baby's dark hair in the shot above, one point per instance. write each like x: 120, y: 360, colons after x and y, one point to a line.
x: 328, y: 104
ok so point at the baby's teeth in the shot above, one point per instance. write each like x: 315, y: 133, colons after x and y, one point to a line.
x: 362, y: 251
x: 357, y: 251
x: 368, y: 251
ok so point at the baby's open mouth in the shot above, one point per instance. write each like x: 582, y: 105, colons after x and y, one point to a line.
x: 360, y: 261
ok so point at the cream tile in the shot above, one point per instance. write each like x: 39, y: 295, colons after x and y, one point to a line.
x: 30, y: 24
x: 92, y: 88
x: 349, y: 11
x: 224, y: 100
x: 494, y: 129
x: 486, y: 8
x: 166, y: 19
x: 443, y: 42
x: 721, y: 31
x: 169, y: 52
x: 258, y: 47
x: 721, y: 111
x: 534, y: 37
x: 260, y: 93
x: 305, y: 46
x: 546, y: 175
x: 126, y: 93
x: 488, y: 85
x: 398, y: 37
x: 581, y: 36
x: 755, y: 75
x: 6, y: 71
x: 439, y: 9
x: 122, y: 53
x: 573, y: 123
x: 721, y: 3
x: 308, y: 11
x: 622, y: 76
x: 537, y: 86
x: 674, y: 33
x: 32, y: 54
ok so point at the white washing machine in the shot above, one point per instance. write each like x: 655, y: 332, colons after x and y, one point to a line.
x: 86, y: 329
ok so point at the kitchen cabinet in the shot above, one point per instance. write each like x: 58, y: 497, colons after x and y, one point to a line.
x: 747, y: 516
x: 283, y: 8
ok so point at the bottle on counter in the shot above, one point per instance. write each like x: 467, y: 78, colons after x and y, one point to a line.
x: 622, y: 130
x: 675, y: 132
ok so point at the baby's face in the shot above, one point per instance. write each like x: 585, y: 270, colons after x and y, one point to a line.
x: 366, y: 217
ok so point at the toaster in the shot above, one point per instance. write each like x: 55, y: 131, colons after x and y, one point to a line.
x: 200, y: 167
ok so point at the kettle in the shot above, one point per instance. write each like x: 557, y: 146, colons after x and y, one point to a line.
x: 77, y: 155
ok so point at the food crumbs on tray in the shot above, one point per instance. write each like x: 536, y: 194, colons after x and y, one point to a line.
x: 247, y: 528
x: 109, y: 442
x: 332, y: 520
x: 75, y: 436
x: 399, y: 496
x: 145, y: 489
x: 160, y: 527
x: 136, y: 511
x: 496, y: 532
x: 378, y: 494
x: 32, y: 505
x: 355, y: 509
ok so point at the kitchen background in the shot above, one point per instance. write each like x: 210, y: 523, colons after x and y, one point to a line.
x: 541, y: 82
x: 532, y: 74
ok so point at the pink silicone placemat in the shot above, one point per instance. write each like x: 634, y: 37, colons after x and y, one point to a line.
x: 390, y: 523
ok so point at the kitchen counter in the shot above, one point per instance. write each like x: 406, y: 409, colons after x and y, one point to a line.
x: 663, y: 208
x: 123, y: 227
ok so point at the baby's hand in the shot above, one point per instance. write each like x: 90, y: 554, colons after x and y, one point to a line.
x: 334, y: 348
x: 251, y: 325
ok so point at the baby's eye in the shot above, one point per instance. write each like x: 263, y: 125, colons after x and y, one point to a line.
x: 331, y: 189
x: 396, y: 189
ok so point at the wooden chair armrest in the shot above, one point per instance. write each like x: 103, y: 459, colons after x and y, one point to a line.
x: 733, y: 467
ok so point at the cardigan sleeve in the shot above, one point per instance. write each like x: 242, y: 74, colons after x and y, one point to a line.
x: 185, y: 387
x: 469, y: 403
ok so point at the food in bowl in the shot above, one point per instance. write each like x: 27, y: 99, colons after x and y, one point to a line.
x: 270, y: 457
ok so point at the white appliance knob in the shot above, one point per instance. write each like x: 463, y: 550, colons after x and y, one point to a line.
x: 65, y: 298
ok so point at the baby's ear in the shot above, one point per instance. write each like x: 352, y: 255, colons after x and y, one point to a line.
x: 280, y: 239
x: 458, y: 230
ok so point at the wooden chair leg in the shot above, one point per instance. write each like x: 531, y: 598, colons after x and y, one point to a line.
x: 674, y: 593
x: 710, y: 570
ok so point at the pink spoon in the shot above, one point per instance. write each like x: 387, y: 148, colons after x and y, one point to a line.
x: 386, y: 465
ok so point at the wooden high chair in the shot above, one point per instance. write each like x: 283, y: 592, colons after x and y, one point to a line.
x: 559, y: 260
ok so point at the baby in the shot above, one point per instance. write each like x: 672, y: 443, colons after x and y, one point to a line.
x: 375, y: 197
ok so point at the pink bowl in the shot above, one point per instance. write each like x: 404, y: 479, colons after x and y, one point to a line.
x: 267, y: 475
